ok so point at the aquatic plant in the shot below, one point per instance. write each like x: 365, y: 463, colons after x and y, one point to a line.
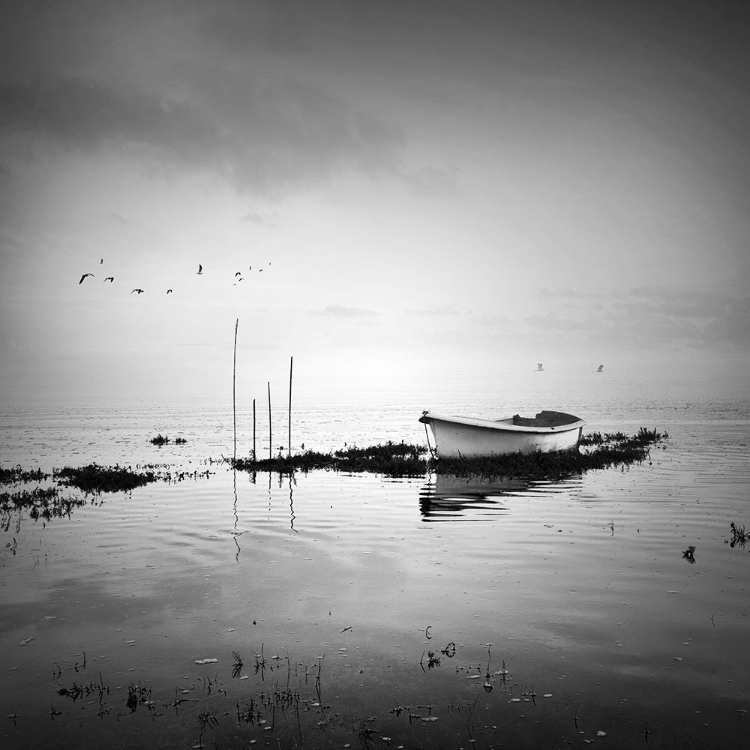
x: 402, y: 459
x: 95, y: 478
x: 393, y: 459
x: 164, y: 440
x: 17, y: 475
x: 739, y: 537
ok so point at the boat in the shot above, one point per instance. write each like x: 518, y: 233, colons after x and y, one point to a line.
x: 469, y: 437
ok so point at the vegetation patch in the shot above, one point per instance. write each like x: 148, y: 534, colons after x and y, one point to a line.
x: 393, y: 459
x: 164, y: 440
x: 95, y: 478
x: 738, y: 537
x: 402, y: 459
x: 17, y: 475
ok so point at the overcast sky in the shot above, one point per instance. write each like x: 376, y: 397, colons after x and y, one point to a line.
x: 369, y: 182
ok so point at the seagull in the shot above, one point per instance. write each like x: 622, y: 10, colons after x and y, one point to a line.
x: 169, y: 291
x: 200, y: 269
x: 140, y: 291
x: 238, y: 273
x: 110, y: 278
x: 84, y: 276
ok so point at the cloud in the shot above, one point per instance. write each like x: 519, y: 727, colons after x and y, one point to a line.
x: 267, y: 136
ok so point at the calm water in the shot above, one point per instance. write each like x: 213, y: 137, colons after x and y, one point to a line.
x: 367, y: 611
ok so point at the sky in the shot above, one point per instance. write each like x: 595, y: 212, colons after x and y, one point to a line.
x: 371, y: 188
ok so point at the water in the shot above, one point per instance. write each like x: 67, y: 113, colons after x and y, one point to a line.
x: 366, y: 608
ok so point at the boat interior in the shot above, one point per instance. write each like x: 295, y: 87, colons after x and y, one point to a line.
x: 544, y: 419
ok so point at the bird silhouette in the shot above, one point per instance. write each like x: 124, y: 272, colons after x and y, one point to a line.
x: 600, y: 368
x: 110, y: 278
x: 140, y: 291
x: 238, y: 273
x: 200, y: 269
x: 539, y: 367
x: 84, y: 276
x: 169, y: 291
x: 101, y: 260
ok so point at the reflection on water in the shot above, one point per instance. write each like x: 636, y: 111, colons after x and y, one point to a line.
x: 445, y: 497
x: 474, y: 498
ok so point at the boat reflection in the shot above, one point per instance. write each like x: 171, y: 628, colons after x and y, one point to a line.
x: 447, y: 497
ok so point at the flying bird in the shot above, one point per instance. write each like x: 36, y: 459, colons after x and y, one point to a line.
x: 238, y: 273
x: 140, y: 291
x: 84, y: 276
x: 200, y: 269
x: 101, y: 260
x: 539, y: 367
x: 110, y: 278
x: 169, y: 291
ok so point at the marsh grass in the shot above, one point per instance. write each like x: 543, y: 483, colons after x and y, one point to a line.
x: 164, y: 440
x: 394, y: 459
x: 96, y: 479
x: 598, y: 451
x: 18, y: 475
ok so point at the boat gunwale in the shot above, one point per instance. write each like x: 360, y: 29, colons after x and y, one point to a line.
x: 502, y: 425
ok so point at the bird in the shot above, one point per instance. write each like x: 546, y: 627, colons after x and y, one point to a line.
x: 101, y: 260
x: 84, y: 276
x: 169, y: 291
x: 110, y: 278
x: 600, y: 368
x: 200, y: 269
x: 539, y: 367
x: 140, y: 291
x: 238, y: 273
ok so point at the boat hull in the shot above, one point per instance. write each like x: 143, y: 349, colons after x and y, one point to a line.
x: 466, y: 437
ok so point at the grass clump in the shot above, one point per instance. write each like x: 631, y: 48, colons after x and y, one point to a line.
x: 164, y: 440
x: 95, y: 478
x: 18, y: 475
x: 402, y: 459
x: 393, y: 459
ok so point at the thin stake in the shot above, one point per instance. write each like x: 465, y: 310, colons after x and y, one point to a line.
x: 291, y: 367
x: 270, y: 440
x: 234, y: 389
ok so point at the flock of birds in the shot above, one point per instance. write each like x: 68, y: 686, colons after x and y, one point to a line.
x: 238, y: 277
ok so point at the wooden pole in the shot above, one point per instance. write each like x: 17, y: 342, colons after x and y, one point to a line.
x: 234, y: 389
x: 270, y: 439
x: 291, y: 367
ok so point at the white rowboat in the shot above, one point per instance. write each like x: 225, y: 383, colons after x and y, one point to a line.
x: 467, y: 437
